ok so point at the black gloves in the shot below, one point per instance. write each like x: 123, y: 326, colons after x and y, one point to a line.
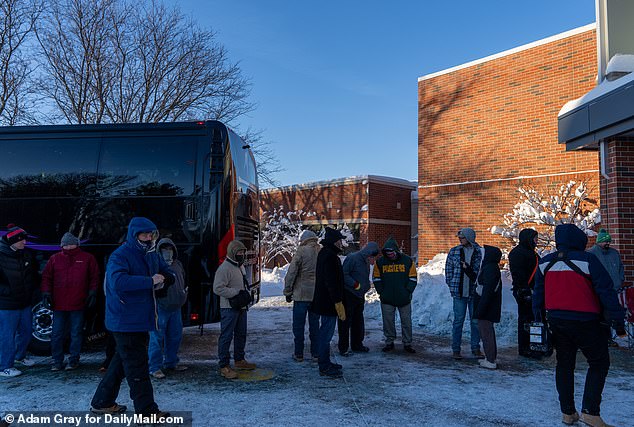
x: 91, y: 300
x: 289, y: 298
x: 524, y: 295
x: 46, y: 300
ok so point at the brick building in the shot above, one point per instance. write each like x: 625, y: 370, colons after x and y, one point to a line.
x: 373, y: 207
x: 489, y: 126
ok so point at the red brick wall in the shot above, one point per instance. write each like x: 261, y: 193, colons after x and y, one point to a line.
x: 497, y: 120
x: 617, y: 199
x: 379, y: 221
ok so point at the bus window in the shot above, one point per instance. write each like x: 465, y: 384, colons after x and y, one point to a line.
x: 48, y: 167
x: 147, y: 167
x: 244, y: 163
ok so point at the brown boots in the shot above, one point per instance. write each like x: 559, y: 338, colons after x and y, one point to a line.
x: 593, y: 421
x: 243, y: 364
x: 570, y: 419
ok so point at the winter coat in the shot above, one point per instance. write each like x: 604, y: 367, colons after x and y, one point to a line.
x: 18, y: 278
x: 523, y: 264
x: 230, y: 278
x: 611, y: 260
x: 176, y: 295
x: 454, y: 273
x: 356, y: 270
x: 130, y: 300
x: 567, y: 294
x: 300, y: 277
x: 394, y: 280
x: 328, y: 280
x: 68, y: 276
x: 489, y: 305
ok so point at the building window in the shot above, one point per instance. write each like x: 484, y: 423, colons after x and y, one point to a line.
x: 329, y: 205
x: 398, y: 205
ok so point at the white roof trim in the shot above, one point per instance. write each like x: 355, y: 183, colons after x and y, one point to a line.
x: 512, y: 51
x: 349, y: 180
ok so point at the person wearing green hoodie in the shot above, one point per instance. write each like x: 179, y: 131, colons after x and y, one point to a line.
x: 394, y: 278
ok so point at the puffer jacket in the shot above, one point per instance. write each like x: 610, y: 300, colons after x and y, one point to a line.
x: 300, y: 277
x: 567, y: 294
x: 230, y: 278
x: 68, y: 276
x: 176, y: 295
x: 19, y: 279
x: 356, y: 270
x: 394, y: 280
x: 130, y: 301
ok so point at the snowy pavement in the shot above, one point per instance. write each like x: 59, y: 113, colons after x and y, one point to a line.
x: 378, y: 389
x: 427, y: 388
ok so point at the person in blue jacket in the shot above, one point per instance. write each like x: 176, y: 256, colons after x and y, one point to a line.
x: 135, y: 275
x: 579, y: 297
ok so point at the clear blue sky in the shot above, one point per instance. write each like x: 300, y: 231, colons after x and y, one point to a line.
x: 336, y: 81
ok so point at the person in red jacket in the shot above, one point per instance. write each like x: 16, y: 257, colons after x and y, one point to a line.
x: 69, y: 285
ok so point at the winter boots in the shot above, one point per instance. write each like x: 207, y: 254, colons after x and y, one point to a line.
x: 228, y: 373
x: 409, y: 349
x: 593, y: 421
x: 477, y: 354
x: 569, y: 419
x: 388, y: 347
x: 244, y: 365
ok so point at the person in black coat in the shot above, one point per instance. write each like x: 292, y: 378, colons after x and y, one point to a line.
x: 328, y: 298
x: 19, y: 285
x: 523, y: 265
x: 488, y: 303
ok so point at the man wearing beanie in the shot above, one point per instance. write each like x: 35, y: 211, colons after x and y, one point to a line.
x: 461, y: 270
x: 609, y: 257
x: 18, y: 285
x: 69, y: 285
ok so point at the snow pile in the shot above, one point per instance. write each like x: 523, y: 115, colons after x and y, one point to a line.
x: 432, y: 305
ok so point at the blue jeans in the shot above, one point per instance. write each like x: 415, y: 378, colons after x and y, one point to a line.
x: 15, y: 335
x: 164, y: 343
x: 233, y: 326
x: 326, y: 331
x: 62, y: 322
x: 300, y: 309
x: 460, y: 306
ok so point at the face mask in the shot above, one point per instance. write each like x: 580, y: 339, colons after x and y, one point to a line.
x: 168, y: 255
x: 339, y: 244
x: 239, y: 259
x: 147, y: 244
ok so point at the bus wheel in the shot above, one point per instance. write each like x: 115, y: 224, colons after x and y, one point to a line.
x: 42, y: 328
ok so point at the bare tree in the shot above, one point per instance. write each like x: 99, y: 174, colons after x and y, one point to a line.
x: 17, y: 19
x: 267, y: 161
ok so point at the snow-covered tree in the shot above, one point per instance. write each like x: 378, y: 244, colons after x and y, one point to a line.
x: 280, y: 234
x: 543, y: 212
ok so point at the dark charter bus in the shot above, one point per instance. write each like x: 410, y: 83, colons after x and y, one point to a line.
x: 196, y: 181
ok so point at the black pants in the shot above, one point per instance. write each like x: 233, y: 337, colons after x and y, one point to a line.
x: 130, y: 361
x: 110, y: 349
x: 524, y: 315
x: 352, y: 330
x: 589, y: 337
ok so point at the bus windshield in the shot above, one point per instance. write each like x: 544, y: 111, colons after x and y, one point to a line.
x: 244, y: 162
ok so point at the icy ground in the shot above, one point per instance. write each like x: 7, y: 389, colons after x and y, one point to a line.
x: 428, y: 388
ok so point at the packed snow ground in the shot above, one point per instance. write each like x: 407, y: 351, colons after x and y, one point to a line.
x: 428, y: 388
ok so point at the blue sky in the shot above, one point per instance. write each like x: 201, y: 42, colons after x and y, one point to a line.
x: 335, y: 82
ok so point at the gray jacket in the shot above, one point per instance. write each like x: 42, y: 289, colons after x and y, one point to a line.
x: 230, y: 277
x: 300, y: 277
x: 611, y: 260
x: 356, y: 269
x: 177, y: 293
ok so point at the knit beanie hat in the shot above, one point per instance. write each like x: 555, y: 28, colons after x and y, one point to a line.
x: 603, y: 236
x: 14, y: 235
x: 69, y: 239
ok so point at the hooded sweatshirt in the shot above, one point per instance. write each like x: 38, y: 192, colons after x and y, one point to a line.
x: 458, y: 280
x: 394, y: 280
x: 130, y: 301
x: 523, y: 261
x: 611, y: 260
x: 567, y: 294
x: 300, y: 277
x: 230, y: 278
x: 176, y: 294
x: 489, y: 305
x: 356, y: 270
